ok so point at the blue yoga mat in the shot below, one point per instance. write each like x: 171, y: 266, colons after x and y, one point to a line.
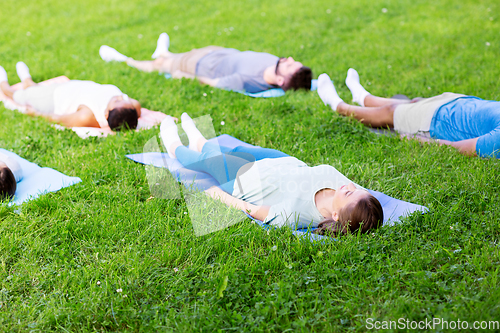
x: 393, y: 208
x: 37, y: 180
x: 276, y: 92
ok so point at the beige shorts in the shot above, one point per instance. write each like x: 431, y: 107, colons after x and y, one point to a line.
x: 40, y: 97
x: 416, y: 117
x: 186, y: 62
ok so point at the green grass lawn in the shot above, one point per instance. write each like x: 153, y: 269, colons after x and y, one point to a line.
x: 64, y: 256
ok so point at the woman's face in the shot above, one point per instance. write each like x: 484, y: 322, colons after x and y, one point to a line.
x: 347, y: 195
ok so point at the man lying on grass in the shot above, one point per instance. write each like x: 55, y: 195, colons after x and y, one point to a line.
x: 10, y: 174
x: 222, y: 67
x: 74, y: 103
x: 468, y: 123
x: 274, y: 187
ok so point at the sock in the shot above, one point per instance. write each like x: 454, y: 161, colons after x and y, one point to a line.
x: 22, y: 71
x: 169, y: 134
x: 161, y: 45
x: 327, y: 92
x: 3, y: 75
x: 192, y: 132
x: 110, y: 54
x: 358, y: 92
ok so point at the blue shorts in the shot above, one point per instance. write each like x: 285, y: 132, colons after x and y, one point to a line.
x: 468, y: 118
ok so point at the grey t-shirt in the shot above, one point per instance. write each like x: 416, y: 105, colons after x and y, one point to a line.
x: 237, y: 70
x: 288, y: 186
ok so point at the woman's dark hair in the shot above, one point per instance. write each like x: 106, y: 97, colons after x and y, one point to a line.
x: 301, y: 79
x: 8, y: 183
x: 366, y: 214
x: 119, y: 118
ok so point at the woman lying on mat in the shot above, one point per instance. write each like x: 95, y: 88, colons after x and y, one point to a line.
x: 274, y: 187
x: 468, y: 123
x: 10, y: 174
x: 74, y: 103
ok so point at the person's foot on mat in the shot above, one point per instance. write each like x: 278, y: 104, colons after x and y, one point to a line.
x: 3, y: 75
x: 108, y: 53
x: 358, y: 92
x: 192, y: 132
x: 162, y: 45
x: 22, y: 71
x: 169, y: 134
x: 327, y: 92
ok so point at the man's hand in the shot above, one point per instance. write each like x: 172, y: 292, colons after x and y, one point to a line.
x: 178, y: 74
x: 466, y: 147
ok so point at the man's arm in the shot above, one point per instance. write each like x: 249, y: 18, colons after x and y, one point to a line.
x: 205, y: 80
x: 83, y: 117
x: 466, y: 147
x: 258, y: 212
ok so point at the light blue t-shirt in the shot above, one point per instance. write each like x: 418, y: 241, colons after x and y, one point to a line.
x: 467, y: 118
x: 237, y: 70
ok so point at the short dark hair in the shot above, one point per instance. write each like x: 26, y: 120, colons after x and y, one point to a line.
x: 119, y: 118
x: 301, y: 79
x: 366, y: 214
x: 8, y: 183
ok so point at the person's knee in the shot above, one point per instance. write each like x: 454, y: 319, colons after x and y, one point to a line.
x: 388, y: 114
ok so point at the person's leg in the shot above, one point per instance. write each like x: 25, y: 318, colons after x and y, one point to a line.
x: 223, y: 167
x: 6, y: 89
x: 24, y: 75
x: 381, y: 116
x: 4, y: 83
x: 374, y: 101
x: 257, y: 153
x: 162, y: 45
x: 162, y: 64
x: 363, y: 97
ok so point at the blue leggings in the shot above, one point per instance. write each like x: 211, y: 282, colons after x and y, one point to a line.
x: 221, y: 162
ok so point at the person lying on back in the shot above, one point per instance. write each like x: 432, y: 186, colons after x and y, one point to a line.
x: 220, y: 67
x: 467, y: 123
x: 74, y: 103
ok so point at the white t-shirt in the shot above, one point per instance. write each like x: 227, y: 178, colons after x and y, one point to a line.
x: 13, y: 166
x: 288, y: 186
x: 70, y: 95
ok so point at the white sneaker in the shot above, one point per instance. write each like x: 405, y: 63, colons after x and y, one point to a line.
x: 110, y: 54
x: 162, y: 45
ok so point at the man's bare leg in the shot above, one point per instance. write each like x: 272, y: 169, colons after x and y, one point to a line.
x: 162, y: 64
x: 374, y: 101
x: 380, y: 116
x: 6, y: 89
x: 363, y: 97
x: 28, y: 82
x: 4, y: 83
x: 26, y: 79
